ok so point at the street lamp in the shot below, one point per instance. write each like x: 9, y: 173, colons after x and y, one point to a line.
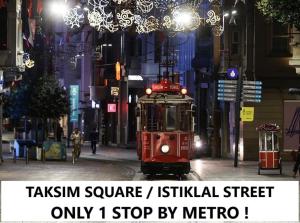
x: 232, y: 15
x: 58, y: 8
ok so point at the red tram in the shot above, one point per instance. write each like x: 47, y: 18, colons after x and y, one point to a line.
x: 165, y: 129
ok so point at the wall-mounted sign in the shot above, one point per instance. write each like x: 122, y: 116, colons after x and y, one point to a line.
x: 114, y: 91
x: 74, y: 99
x: 247, y: 114
x: 111, y: 108
x: 135, y: 78
x: 118, y: 71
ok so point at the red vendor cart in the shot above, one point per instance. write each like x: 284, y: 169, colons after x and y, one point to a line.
x: 269, y: 154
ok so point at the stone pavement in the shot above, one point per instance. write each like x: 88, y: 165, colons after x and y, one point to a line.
x: 112, y: 163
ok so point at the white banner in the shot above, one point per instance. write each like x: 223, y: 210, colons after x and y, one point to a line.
x: 149, y: 201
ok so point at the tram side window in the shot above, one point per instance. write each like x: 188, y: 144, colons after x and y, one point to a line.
x: 269, y: 141
x: 171, y: 118
x: 154, y: 117
x: 185, y: 118
x: 276, y: 144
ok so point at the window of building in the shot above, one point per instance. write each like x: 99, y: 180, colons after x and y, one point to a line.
x: 3, y: 24
x: 280, y: 39
x: 235, y: 43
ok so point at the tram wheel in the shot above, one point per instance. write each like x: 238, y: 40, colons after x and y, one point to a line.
x: 258, y: 170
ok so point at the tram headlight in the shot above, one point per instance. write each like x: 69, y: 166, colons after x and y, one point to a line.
x: 148, y: 91
x: 183, y: 91
x: 165, y: 149
x: 197, y: 142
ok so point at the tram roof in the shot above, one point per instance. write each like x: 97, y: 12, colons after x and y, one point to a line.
x: 165, y: 98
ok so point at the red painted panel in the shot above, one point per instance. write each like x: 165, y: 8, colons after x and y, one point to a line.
x: 269, y: 159
x: 184, y: 145
x: 139, y: 144
x: 160, y: 139
x: 146, y: 145
x: 180, y: 147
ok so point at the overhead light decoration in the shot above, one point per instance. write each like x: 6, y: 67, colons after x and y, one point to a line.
x: 185, y: 18
x: 218, y: 30
x: 98, y: 3
x: 125, y: 18
x: 27, y: 62
x: 119, y: 1
x: 167, y: 22
x: 144, y: 15
x: 145, y: 6
x: 146, y: 25
x: 212, y: 17
x: 73, y: 18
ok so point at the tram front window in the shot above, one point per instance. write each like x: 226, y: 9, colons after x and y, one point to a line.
x: 166, y: 117
x: 171, y: 118
x: 153, y: 117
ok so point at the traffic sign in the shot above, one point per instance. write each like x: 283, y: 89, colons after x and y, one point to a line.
x: 227, y: 86
x: 253, y: 87
x: 232, y: 73
x: 251, y: 100
x: 252, y: 82
x: 250, y: 91
x: 227, y: 90
x: 226, y: 95
x: 226, y: 99
x: 227, y: 81
x: 258, y: 96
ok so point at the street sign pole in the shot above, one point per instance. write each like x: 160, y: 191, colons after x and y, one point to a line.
x: 237, y: 117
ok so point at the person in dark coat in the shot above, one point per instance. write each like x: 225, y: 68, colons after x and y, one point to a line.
x: 297, y: 164
x: 59, y: 133
x: 94, y: 139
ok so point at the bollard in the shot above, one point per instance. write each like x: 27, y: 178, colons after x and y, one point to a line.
x: 14, y: 155
x: 43, y: 155
x: 27, y: 158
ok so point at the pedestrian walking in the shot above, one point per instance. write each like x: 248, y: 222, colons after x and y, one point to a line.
x: 94, y: 139
x: 77, y: 140
x: 297, y: 163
